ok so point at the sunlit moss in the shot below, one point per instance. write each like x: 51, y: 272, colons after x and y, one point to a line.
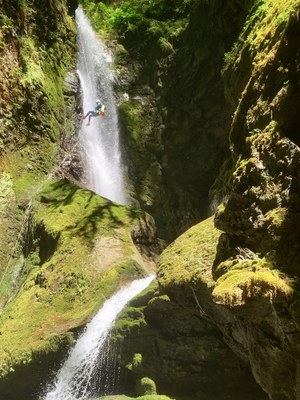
x: 268, y: 17
x: 190, y: 257
x: 248, y: 279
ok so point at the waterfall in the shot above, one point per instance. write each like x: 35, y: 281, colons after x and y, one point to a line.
x: 74, y: 379
x: 100, y: 140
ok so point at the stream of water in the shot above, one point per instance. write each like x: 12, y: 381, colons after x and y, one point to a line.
x: 74, y: 381
x: 99, y: 141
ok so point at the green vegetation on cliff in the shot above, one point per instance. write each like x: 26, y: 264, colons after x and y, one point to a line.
x: 183, y: 354
x: 162, y: 19
x: 35, y: 56
x: 37, y: 49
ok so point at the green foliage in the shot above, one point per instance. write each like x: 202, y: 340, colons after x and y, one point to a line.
x: 32, y: 60
x: 100, y: 14
x: 132, y: 14
x: 6, y: 23
x: 127, y: 17
x: 160, y: 19
x: 165, y: 45
x: 284, y: 16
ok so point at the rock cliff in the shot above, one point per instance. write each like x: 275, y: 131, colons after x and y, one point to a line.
x: 251, y: 289
x: 37, y: 49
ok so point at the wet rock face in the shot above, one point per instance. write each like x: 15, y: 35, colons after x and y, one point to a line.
x: 70, y: 161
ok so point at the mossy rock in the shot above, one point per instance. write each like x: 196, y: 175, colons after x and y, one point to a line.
x: 248, y: 279
x: 81, y: 251
x: 190, y: 257
x: 21, y: 174
x: 146, y: 386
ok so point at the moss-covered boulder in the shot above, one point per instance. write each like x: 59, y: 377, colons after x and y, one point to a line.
x: 79, y: 250
x: 146, y: 386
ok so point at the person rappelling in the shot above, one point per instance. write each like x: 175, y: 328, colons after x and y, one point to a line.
x: 98, y: 111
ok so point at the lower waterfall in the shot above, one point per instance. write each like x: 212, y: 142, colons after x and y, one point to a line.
x: 74, y: 381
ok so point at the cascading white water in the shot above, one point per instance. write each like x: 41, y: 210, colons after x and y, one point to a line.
x: 74, y: 378
x: 100, y: 140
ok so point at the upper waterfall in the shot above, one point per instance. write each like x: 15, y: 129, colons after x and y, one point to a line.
x: 100, y: 140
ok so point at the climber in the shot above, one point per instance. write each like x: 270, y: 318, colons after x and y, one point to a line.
x: 99, y: 110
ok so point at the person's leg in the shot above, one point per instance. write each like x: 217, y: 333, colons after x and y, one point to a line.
x: 87, y: 114
x: 91, y: 114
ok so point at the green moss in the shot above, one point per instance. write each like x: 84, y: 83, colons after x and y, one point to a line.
x: 32, y: 111
x: 131, y: 320
x: 33, y: 75
x: 267, y: 20
x: 146, y: 386
x: 276, y: 217
x: 190, y: 257
x: 35, y: 81
x: 132, y: 115
x: 221, y: 209
x: 82, y: 251
x: 248, y: 279
x: 137, y: 360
